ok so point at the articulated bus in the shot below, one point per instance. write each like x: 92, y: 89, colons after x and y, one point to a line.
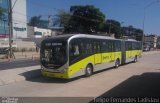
x: 70, y: 56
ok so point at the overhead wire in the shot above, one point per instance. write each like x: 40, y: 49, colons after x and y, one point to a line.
x: 14, y: 4
x: 45, y: 6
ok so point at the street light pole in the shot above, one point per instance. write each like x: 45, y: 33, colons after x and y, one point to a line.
x: 16, y: 30
x: 144, y: 17
x: 10, y: 28
x: 110, y: 29
x: 121, y: 29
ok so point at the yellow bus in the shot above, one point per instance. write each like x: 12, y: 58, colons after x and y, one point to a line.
x: 70, y: 56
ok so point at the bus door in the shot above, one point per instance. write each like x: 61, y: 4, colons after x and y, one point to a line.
x: 98, y: 55
x: 117, y: 49
x: 110, y: 49
x: 113, y: 51
x: 123, y: 49
x: 130, y: 49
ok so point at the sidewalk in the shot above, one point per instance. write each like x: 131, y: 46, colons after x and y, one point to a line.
x: 22, y: 74
x: 21, y: 56
x: 150, y: 52
x: 18, y: 74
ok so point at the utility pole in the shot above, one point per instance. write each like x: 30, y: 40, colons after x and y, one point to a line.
x: 110, y: 29
x: 144, y: 17
x: 10, y: 28
x: 16, y: 30
x: 121, y: 29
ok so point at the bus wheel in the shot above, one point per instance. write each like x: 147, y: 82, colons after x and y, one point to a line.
x: 89, y: 70
x: 135, y: 59
x: 117, y: 63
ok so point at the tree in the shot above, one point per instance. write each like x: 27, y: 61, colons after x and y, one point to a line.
x: 113, y: 26
x: 85, y: 19
x: 62, y: 19
x: 139, y: 34
x: 133, y: 33
x: 38, y: 22
x: 35, y: 21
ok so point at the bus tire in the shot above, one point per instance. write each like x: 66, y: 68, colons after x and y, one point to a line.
x: 89, y: 70
x: 135, y: 59
x: 117, y: 63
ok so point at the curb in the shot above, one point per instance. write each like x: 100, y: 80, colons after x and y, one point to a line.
x: 19, y: 59
x: 150, y: 52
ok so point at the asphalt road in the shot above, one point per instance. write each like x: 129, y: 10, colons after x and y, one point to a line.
x: 131, y: 80
x: 18, y: 64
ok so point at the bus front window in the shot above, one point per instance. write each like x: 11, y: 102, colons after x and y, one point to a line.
x: 53, y: 55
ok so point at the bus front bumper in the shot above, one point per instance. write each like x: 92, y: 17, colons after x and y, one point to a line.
x: 54, y: 74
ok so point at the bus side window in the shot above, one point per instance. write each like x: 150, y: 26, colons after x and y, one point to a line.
x: 138, y: 46
x: 126, y: 46
x: 117, y: 46
x: 74, y: 50
x: 81, y: 48
x: 110, y: 46
x: 104, y: 46
x: 96, y: 46
x: 113, y: 46
x: 130, y: 46
x: 134, y: 46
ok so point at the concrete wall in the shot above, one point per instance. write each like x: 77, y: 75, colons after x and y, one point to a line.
x: 30, y: 32
x: 44, y: 32
x: 25, y: 44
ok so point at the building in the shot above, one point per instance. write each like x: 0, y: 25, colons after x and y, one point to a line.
x: 19, y: 19
x: 4, y: 30
x: 158, y: 42
x: 151, y: 40
x: 36, y: 32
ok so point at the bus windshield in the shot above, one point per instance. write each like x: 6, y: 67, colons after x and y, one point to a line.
x: 53, y: 54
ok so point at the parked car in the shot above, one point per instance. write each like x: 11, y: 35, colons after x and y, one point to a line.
x: 146, y: 48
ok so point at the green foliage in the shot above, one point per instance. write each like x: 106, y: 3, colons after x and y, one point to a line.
x: 133, y: 33
x: 85, y: 19
x: 38, y: 22
x: 23, y: 49
x: 35, y: 21
x: 113, y: 26
x: 62, y: 19
x: 139, y: 34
